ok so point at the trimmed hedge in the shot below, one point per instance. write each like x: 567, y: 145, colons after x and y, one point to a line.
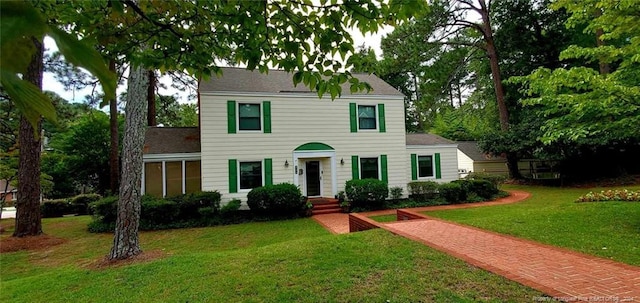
x: 423, y: 190
x: 483, y: 188
x: 496, y: 180
x: 453, y: 192
x: 367, y: 193
x: 278, y: 199
x: 156, y: 211
x: 78, y: 205
x: 191, y: 210
x: 81, y: 203
x: 396, y: 192
x: 55, y: 208
x: 160, y: 212
x: 231, y: 207
x: 189, y: 204
x: 105, y: 209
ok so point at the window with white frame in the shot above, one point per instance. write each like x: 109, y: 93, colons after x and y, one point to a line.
x: 171, y: 178
x: 366, y: 117
x: 425, y: 166
x: 369, y: 168
x: 249, y: 116
x: 250, y: 174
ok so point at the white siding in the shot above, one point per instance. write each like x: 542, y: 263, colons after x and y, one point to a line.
x: 296, y: 120
x: 448, y: 161
x: 464, y: 162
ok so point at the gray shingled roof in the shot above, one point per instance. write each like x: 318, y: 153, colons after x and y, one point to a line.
x: 280, y: 82
x: 169, y: 140
x: 472, y: 150
x: 426, y: 139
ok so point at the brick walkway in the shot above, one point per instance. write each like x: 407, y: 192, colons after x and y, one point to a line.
x: 557, y: 272
x: 339, y: 223
x: 564, y: 274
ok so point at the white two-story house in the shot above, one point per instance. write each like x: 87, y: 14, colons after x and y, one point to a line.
x: 257, y: 129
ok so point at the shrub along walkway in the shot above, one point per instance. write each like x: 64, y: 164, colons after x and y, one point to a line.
x: 564, y: 274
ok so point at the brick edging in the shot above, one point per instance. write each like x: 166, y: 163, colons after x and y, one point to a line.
x: 359, y: 222
x: 514, y: 196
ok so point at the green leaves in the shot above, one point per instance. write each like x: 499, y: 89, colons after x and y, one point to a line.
x: 28, y: 98
x: 580, y: 105
x: 19, y: 22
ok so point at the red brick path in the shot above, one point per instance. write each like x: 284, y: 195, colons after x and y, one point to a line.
x: 564, y: 274
x: 554, y: 271
x: 339, y: 223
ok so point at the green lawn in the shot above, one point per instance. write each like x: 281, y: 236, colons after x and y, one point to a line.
x: 606, y: 229
x: 294, y: 260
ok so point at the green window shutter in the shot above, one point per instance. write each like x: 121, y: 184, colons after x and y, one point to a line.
x: 383, y: 168
x: 353, y: 115
x: 266, y: 109
x: 233, y: 176
x: 414, y: 167
x: 231, y: 117
x: 268, y: 172
x: 383, y: 125
x: 438, y: 171
x: 355, y: 168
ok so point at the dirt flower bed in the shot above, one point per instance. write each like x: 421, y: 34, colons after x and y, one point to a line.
x: 11, y: 244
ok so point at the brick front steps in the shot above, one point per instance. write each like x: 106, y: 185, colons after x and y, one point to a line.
x: 323, y: 206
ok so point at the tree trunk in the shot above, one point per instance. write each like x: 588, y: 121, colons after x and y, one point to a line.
x: 151, y: 99
x: 512, y: 159
x: 125, y: 241
x: 28, y: 221
x: 114, y: 161
x: 495, y: 71
x: 512, y: 166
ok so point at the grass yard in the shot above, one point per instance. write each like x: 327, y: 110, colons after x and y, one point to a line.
x: 606, y: 229
x: 294, y: 260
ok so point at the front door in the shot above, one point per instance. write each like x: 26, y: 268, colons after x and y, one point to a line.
x: 313, y: 178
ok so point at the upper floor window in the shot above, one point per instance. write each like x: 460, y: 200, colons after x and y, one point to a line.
x: 369, y: 168
x: 366, y: 117
x: 249, y: 116
x: 425, y: 166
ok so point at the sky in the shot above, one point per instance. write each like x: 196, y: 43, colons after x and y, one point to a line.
x: 51, y: 84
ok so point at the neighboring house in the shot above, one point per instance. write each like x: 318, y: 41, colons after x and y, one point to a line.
x: 472, y: 159
x: 259, y: 129
x: 8, y: 192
